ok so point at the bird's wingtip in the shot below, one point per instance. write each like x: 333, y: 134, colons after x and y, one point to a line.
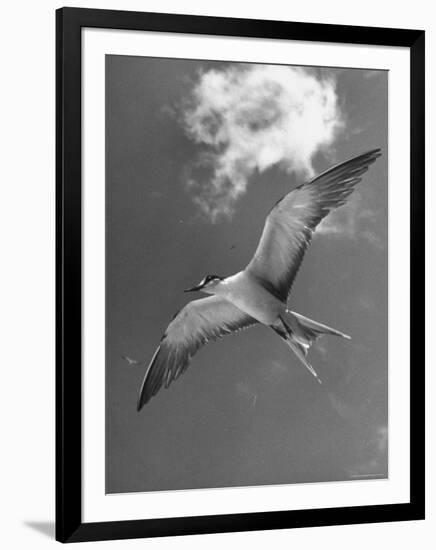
x: 142, y: 400
x: 374, y: 154
x: 140, y: 404
x: 376, y: 151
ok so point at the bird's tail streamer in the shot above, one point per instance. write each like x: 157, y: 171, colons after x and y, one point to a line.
x: 310, y: 330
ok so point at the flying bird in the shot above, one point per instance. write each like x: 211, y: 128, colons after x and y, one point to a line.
x: 259, y: 293
x: 130, y: 361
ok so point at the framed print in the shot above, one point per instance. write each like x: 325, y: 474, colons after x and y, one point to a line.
x: 274, y: 170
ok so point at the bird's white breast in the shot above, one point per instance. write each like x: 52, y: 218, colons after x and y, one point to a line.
x: 250, y: 296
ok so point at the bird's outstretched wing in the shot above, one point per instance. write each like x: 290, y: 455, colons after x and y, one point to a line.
x: 193, y: 326
x: 290, y: 224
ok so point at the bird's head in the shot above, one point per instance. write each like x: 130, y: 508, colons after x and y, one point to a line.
x: 208, y: 285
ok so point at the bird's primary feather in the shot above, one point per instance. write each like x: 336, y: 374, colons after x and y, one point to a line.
x: 290, y: 225
x: 193, y: 326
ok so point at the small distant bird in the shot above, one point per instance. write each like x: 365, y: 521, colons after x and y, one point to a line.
x: 130, y: 361
x: 259, y: 293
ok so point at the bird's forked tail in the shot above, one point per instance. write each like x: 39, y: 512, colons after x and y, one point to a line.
x: 300, y: 332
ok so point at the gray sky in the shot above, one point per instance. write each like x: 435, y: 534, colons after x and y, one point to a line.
x: 185, y: 199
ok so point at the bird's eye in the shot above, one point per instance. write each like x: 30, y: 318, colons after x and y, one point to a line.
x: 209, y: 278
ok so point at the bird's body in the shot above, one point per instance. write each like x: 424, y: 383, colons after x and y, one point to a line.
x: 259, y: 293
x: 247, y: 293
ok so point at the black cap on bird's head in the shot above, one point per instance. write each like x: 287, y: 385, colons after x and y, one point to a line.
x: 208, y: 282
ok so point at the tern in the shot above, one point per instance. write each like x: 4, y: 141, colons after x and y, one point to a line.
x: 259, y: 293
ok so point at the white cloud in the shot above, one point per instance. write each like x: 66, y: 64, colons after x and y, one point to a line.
x: 250, y: 118
x: 246, y: 393
x: 374, y: 454
x: 353, y: 221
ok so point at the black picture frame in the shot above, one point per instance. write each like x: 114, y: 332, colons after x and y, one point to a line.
x: 69, y: 525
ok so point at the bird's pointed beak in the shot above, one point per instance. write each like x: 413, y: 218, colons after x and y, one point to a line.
x: 194, y: 288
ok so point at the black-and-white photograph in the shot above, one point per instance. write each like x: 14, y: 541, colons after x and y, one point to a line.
x: 246, y: 274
